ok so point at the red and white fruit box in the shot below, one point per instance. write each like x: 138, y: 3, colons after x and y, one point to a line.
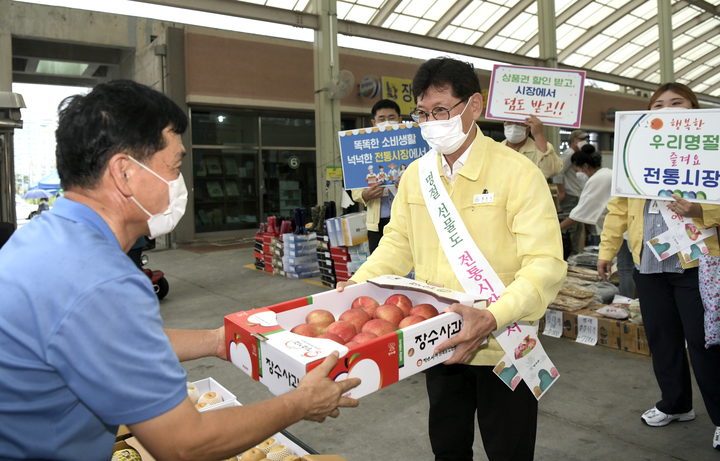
x: 260, y: 343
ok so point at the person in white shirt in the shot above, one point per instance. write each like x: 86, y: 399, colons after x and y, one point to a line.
x: 592, y: 206
x: 569, y: 188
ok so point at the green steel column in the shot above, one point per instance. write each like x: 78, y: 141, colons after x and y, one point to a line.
x: 667, y: 72
x: 5, y: 47
x: 547, y: 41
x: 327, y: 111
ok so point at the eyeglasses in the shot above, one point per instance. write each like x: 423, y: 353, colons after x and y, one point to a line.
x: 439, y: 113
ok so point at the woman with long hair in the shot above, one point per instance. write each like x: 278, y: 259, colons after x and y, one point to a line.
x: 670, y: 301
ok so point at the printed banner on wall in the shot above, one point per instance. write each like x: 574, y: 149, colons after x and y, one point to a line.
x: 400, y: 91
x: 371, y: 155
x: 659, y: 153
x: 554, y: 96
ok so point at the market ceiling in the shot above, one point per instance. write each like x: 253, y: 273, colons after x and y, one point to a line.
x: 614, y: 40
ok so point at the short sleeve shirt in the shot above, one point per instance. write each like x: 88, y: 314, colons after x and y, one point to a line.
x: 82, y: 348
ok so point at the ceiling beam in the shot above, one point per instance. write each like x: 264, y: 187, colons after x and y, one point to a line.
x: 627, y: 38
x: 652, y: 47
x: 245, y: 10
x: 682, y: 50
x: 442, y: 46
x: 710, y: 8
x: 448, y: 17
x: 599, y: 27
x: 63, y: 51
x: 569, y: 12
x: 507, y: 18
x: 310, y: 21
x: 698, y: 62
x: 383, y: 13
x: 43, y: 79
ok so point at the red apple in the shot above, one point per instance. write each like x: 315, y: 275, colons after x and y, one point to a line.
x: 401, y: 301
x: 424, y: 310
x: 365, y: 303
x: 411, y: 320
x: 357, y: 317
x: 389, y: 312
x: 380, y: 327
x: 332, y: 337
x: 305, y: 329
x: 320, y: 318
x: 351, y: 344
x: 363, y: 337
x: 343, y: 329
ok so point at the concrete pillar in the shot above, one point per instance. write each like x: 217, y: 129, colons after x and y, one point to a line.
x: 174, y: 87
x: 327, y: 111
x: 665, y: 31
x: 547, y: 41
x: 5, y: 47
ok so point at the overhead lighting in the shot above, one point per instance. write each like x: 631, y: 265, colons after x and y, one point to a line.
x: 75, y: 69
x: 221, y: 118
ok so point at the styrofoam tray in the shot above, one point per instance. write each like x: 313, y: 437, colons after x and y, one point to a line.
x: 210, y: 385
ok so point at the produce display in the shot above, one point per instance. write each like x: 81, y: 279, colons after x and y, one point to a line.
x: 366, y: 320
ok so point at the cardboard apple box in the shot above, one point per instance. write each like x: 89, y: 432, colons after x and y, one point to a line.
x: 260, y: 343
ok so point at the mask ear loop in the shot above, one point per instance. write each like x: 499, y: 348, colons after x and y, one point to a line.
x: 151, y: 171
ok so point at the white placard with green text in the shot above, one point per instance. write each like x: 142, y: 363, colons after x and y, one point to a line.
x: 665, y: 152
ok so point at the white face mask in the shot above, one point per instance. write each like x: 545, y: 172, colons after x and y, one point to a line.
x: 382, y: 125
x: 515, y: 133
x: 445, y: 136
x: 163, y: 223
x: 581, y: 143
x: 581, y: 176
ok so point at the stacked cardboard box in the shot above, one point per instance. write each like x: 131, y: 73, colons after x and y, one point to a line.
x: 267, y: 254
x: 325, y: 262
x: 259, y: 253
x: 348, y: 230
x: 617, y: 334
x: 300, y: 256
x: 276, y: 249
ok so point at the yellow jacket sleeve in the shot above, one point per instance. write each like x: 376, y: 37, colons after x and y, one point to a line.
x: 373, y: 209
x: 711, y: 216
x: 616, y: 223
x: 533, y: 221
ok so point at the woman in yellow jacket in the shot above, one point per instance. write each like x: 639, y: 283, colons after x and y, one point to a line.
x: 670, y: 302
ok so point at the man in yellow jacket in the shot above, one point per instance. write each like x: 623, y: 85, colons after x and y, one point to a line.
x: 538, y: 150
x: 378, y: 200
x: 518, y: 233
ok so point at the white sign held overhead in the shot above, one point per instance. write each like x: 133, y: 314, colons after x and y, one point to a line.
x: 554, y: 96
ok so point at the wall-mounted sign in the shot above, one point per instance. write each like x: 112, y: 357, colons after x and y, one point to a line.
x: 333, y: 173
x: 372, y: 155
x: 294, y: 162
x: 660, y: 153
x: 369, y: 86
x: 554, y: 96
x: 400, y: 91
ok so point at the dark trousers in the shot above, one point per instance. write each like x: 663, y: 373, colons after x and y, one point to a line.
x: 374, y: 237
x: 507, y: 419
x: 673, y: 313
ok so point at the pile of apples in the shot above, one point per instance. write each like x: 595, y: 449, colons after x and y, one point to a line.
x: 365, y: 320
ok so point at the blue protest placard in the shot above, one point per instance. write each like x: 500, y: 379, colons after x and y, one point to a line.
x: 372, y: 155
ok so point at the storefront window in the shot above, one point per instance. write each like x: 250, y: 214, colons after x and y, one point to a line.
x: 289, y: 181
x: 221, y: 128
x: 287, y: 131
x: 249, y: 166
x: 226, y: 194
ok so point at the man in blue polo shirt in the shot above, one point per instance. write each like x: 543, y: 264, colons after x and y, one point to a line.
x: 87, y: 352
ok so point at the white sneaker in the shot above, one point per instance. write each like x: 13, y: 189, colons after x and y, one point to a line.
x: 657, y: 418
x: 716, y: 439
